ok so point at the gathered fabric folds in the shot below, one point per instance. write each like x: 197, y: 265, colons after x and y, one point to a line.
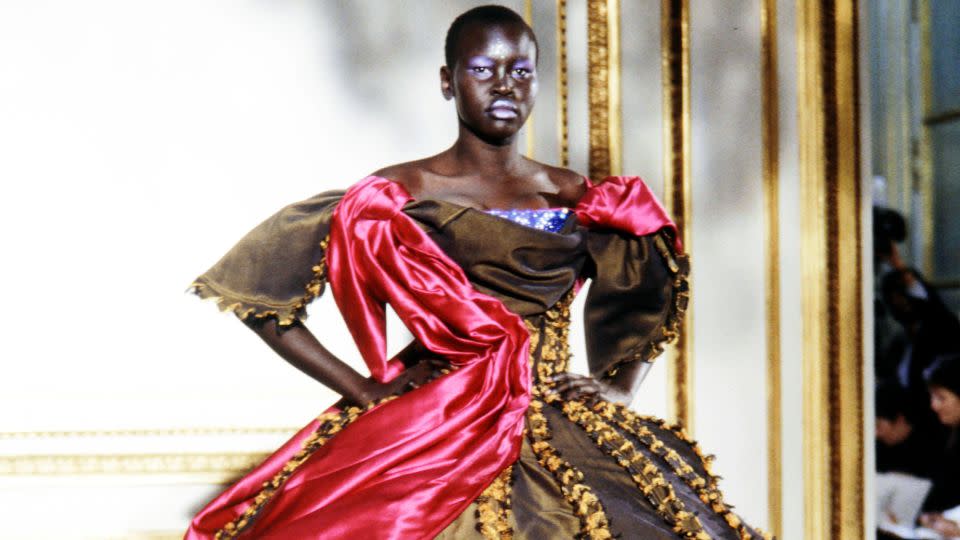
x: 625, y: 203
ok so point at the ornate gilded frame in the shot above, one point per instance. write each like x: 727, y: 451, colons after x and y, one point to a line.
x: 675, y: 58
x: 832, y: 262
x: 770, y: 132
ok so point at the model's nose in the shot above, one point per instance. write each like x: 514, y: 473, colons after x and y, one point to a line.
x: 504, y: 84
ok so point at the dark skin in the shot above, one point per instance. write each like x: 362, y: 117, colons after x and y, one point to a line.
x: 493, y: 82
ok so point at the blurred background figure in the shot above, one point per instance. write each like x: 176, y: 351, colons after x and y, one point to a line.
x: 901, y: 447
x: 943, y: 379
x: 889, y: 229
x: 912, y: 325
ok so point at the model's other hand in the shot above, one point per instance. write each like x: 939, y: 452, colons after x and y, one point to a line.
x: 584, y: 387
x: 413, y: 377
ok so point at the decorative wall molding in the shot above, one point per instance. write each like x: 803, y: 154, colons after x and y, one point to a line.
x: 603, y: 56
x: 529, y: 135
x: 208, y: 467
x: 165, y: 432
x: 831, y: 260
x: 675, y: 53
x: 563, y: 89
x: 32, y: 454
x: 771, y: 199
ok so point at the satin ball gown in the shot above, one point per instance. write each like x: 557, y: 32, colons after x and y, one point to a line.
x: 486, y: 450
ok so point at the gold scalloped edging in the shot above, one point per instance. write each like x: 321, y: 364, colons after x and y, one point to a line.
x: 493, y: 508
x: 707, y: 490
x: 594, y: 524
x: 642, y: 470
x: 330, y: 424
x: 551, y: 341
x: 555, y: 358
x: 285, y: 315
x: 554, y: 353
x: 679, y: 266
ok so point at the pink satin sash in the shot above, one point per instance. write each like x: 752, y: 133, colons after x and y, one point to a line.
x: 624, y: 203
x: 409, y: 467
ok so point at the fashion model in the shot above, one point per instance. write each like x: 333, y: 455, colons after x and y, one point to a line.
x: 477, y: 429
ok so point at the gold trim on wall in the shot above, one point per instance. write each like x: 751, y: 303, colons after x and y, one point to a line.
x: 771, y: 199
x: 603, y: 56
x: 199, y: 467
x: 831, y: 265
x: 206, y: 467
x: 563, y: 121
x: 166, y: 432
x: 529, y: 140
x: 675, y: 54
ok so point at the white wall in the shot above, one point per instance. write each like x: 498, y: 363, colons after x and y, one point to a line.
x: 727, y: 287
x: 139, y: 141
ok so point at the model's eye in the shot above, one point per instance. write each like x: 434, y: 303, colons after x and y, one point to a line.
x: 522, y: 73
x: 480, y: 72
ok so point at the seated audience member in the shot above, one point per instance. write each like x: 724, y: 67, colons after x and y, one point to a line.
x: 943, y: 378
x: 889, y: 229
x: 901, y: 447
x: 931, y: 330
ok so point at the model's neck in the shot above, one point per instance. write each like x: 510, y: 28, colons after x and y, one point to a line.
x: 494, y: 158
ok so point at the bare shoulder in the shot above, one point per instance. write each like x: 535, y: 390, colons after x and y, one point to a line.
x: 410, y: 175
x: 570, y: 185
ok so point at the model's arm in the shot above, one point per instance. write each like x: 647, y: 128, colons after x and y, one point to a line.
x: 297, y: 345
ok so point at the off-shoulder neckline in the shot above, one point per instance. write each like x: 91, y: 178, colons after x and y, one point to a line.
x: 413, y: 199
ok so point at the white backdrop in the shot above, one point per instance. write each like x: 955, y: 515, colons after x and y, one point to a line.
x: 140, y: 141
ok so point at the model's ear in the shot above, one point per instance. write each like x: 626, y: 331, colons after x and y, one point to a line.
x: 446, y: 82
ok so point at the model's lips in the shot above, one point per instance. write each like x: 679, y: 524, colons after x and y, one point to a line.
x: 503, y: 109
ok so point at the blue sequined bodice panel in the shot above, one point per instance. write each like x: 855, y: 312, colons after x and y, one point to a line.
x: 544, y: 219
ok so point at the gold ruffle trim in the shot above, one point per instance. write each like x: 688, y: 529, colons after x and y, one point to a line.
x: 286, y: 314
x: 679, y: 267
x: 594, y: 524
x: 642, y: 470
x: 601, y: 420
x: 707, y: 489
x: 550, y: 340
x: 330, y: 424
x: 493, y: 508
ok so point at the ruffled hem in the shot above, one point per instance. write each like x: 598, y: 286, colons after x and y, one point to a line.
x: 678, y: 265
x: 245, y: 308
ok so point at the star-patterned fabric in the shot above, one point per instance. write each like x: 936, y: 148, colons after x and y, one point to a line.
x: 544, y: 219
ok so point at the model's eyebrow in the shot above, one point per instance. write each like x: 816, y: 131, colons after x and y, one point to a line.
x: 481, y: 61
x: 524, y: 63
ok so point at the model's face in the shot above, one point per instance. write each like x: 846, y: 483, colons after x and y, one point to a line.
x: 493, y: 79
x: 946, y: 404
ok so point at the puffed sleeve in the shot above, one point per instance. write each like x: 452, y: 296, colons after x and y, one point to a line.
x: 278, y: 267
x: 637, y: 298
